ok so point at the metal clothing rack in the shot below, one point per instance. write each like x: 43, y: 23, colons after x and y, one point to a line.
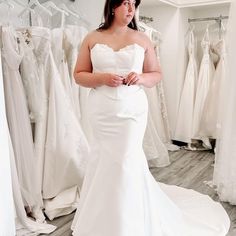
x: 145, y: 19
x: 218, y: 19
x: 30, y: 16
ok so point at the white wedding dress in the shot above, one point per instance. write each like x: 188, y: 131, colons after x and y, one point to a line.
x: 209, y: 126
x: 184, y: 124
x: 225, y: 161
x: 205, y: 78
x: 119, y: 196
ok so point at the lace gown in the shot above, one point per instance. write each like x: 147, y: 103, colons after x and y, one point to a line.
x: 23, y: 175
x: 210, y: 122
x: 119, y: 196
x: 18, y: 117
x: 205, y: 77
x: 36, y: 43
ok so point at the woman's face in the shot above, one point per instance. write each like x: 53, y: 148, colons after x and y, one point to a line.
x: 125, y: 12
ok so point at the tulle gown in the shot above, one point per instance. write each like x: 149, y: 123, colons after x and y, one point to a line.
x: 7, y: 223
x: 119, y: 196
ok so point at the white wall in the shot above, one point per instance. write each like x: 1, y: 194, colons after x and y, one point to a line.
x: 182, y: 57
x: 92, y: 10
x: 10, y: 15
x: 202, y: 2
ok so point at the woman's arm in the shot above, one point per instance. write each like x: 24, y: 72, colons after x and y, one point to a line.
x: 151, y: 70
x: 83, y: 74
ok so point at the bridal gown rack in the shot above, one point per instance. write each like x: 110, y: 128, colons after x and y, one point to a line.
x: 202, y: 85
x: 145, y: 19
x: 48, y: 114
x: 218, y: 19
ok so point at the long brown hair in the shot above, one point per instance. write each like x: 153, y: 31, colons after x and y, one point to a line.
x: 109, y: 17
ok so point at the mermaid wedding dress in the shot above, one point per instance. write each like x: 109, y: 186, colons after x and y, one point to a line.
x: 119, y: 195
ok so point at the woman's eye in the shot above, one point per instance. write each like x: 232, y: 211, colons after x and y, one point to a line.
x: 126, y: 3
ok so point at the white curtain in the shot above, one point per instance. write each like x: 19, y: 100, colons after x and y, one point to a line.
x: 225, y: 163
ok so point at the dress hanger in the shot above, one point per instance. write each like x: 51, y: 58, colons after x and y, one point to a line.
x: 66, y: 9
x: 51, y: 4
x: 37, y: 3
x: 7, y: 3
x: 10, y: 6
x: 19, y: 3
x: 145, y: 26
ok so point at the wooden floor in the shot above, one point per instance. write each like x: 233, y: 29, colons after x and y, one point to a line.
x: 188, y: 169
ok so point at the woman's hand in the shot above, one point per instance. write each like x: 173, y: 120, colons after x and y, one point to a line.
x: 112, y: 80
x: 132, y: 79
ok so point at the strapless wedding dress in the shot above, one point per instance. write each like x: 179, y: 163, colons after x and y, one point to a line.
x: 119, y: 195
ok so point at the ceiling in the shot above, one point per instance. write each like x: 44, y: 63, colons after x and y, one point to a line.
x: 151, y: 3
x: 182, y: 3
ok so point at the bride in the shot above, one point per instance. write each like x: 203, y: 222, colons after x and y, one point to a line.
x: 119, y: 195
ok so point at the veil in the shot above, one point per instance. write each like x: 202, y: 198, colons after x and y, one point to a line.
x: 224, y: 176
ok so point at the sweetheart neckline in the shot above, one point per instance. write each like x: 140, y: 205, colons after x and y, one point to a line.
x: 121, y: 49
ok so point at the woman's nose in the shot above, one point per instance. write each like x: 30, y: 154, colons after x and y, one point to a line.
x: 130, y: 8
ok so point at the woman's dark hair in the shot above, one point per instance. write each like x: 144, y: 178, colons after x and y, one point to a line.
x: 110, y: 5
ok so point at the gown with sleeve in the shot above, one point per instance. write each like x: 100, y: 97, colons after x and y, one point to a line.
x: 119, y: 195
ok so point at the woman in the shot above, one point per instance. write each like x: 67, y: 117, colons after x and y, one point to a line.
x: 119, y: 195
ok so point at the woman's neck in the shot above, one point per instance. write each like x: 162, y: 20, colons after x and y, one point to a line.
x: 118, y: 30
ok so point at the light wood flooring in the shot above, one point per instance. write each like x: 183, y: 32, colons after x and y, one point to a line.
x: 188, y: 169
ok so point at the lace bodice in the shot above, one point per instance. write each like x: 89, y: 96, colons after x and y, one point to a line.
x: 128, y: 59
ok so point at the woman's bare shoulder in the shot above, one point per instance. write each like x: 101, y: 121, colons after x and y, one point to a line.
x: 142, y: 39
x: 93, y: 37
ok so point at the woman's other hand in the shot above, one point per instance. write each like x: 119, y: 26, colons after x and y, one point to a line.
x: 112, y: 80
x: 132, y: 79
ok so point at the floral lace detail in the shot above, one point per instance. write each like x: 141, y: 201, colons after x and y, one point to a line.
x: 161, y: 94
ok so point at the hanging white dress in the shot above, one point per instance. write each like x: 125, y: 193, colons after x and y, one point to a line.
x: 24, y: 195
x: 209, y: 126
x: 184, y: 123
x: 225, y: 161
x: 205, y: 77
x: 7, y: 222
x: 156, y: 95
x: 60, y: 61
x: 73, y: 37
x: 24, y: 225
x: 33, y: 68
x: 18, y: 118
x: 153, y: 145
x: 66, y: 145
x: 119, y: 196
